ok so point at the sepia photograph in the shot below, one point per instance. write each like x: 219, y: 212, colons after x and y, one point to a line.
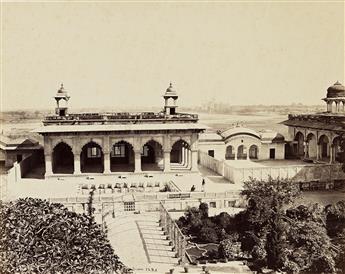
x: 202, y: 137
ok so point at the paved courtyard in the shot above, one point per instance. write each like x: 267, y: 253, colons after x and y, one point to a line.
x: 61, y: 187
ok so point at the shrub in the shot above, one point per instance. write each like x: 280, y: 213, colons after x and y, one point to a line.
x: 39, y: 237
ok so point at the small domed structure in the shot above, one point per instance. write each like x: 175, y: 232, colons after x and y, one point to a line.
x: 170, y: 92
x: 170, y: 97
x: 335, y: 91
x: 61, y: 109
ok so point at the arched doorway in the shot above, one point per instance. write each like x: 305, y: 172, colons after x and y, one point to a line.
x: 312, y: 146
x: 241, y: 152
x: 253, y: 152
x: 180, y: 155
x: 63, y: 159
x: 337, y: 149
x: 122, y: 157
x: 299, y: 145
x: 230, y: 153
x: 152, y: 156
x: 324, y: 147
x: 92, y: 158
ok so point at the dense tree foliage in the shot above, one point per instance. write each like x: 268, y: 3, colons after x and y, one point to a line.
x: 284, y: 238
x: 40, y: 237
x: 201, y: 227
x: 335, y: 220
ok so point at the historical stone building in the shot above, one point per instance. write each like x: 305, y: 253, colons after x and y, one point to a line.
x: 76, y: 143
x: 317, y: 136
x: 239, y: 143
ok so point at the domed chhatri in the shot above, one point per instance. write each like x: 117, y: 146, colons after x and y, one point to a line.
x: 335, y: 99
x: 335, y: 91
x: 62, y: 92
x: 170, y: 92
x: 170, y: 98
x: 61, y: 109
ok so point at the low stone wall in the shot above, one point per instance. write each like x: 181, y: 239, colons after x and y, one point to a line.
x: 296, y: 173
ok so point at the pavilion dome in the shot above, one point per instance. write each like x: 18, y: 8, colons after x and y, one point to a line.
x: 335, y: 91
x: 62, y: 93
x: 170, y: 91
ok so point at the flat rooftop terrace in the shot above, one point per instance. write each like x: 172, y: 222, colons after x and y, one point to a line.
x: 120, y: 118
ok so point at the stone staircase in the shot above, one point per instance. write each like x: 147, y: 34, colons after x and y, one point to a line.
x: 156, y: 245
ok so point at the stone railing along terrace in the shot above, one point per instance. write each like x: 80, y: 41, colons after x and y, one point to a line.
x: 119, y: 118
x: 324, y: 117
x: 173, y: 232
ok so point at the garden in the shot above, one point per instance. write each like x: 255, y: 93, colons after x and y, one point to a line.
x: 271, y: 233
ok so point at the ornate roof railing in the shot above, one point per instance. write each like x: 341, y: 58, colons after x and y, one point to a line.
x: 119, y: 117
x: 320, y: 117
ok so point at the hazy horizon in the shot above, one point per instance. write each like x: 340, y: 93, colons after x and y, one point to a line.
x: 124, y: 55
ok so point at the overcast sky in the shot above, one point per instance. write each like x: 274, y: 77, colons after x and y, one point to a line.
x: 125, y: 54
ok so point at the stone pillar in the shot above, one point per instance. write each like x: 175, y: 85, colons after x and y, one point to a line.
x: 317, y: 151
x: 49, y: 166
x: 106, y: 162
x: 182, y: 155
x: 77, y: 163
x: 331, y: 154
x: 137, y: 161
x: 166, y: 160
x: 189, y: 158
x: 185, y: 157
x: 194, y: 157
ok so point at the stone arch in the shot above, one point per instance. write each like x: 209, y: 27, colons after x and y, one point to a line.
x: 324, y: 144
x: 299, y: 145
x: 62, y: 159
x: 311, y: 143
x: 92, y: 158
x: 152, y: 156
x: 186, y: 139
x: 253, y: 152
x: 180, y: 151
x: 241, y: 152
x: 121, y: 157
x: 158, y: 140
x: 66, y: 141
x: 230, y: 153
x: 336, y: 148
x: 96, y: 141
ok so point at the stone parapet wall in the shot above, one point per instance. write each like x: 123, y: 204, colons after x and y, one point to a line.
x: 296, y: 173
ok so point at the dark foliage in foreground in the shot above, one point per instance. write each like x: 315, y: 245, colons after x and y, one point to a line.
x: 39, y: 237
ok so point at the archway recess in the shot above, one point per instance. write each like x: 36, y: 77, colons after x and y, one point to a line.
x: 152, y: 156
x: 253, y: 152
x: 63, y: 159
x: 299, y: 146
x: 241, y: 152
x: 122, y: 157
x: 324, y: 148
x: 312, y: 146
x: 180, y: 155
x: 230, y: 153
x: 92, y: 158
